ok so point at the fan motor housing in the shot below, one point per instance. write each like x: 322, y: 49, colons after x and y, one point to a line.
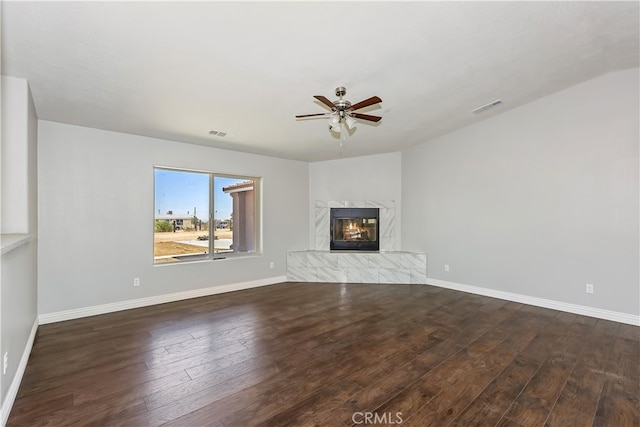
x: 342, y: 105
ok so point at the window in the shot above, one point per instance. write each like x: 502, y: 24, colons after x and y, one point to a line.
x: 200, y: 215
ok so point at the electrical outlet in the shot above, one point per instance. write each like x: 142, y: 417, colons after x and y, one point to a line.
x: 5, y: 362
x: 446, y: 267
x: 136, y: 281
x: 588, y: 288
x: 272, y: 265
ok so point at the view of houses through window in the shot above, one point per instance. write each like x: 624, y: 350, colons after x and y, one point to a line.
x: 201, y: 215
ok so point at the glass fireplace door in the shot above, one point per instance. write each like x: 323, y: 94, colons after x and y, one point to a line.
x: 354, y: 229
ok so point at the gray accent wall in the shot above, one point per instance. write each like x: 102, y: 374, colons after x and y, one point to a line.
x: 538, y: 201
x: 96, y: 196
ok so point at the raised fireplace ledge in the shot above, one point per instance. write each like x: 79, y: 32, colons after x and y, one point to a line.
x: 397, y: 267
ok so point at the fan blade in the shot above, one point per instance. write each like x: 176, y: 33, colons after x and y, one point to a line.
x: 311, y: 115
x: 366, y: 103
x: 366, y: 117
x: 325, y: 101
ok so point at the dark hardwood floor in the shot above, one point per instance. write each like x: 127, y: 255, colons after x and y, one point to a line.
x: 297, y: 354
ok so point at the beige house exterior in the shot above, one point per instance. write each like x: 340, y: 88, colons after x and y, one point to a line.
x: 243, y: 195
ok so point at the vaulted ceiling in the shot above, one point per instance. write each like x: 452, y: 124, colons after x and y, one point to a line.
x: 177, y: 70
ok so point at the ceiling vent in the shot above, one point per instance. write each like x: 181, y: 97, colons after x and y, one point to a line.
x: 488, y: 106
x: 217, y: 133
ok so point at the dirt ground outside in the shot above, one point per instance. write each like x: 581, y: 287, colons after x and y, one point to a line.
x: 222, y: 233
x: 170, y: 243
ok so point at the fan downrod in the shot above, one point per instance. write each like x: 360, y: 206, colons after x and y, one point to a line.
x: 341, y: 105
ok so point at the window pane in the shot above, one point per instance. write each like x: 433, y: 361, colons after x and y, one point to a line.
x: 181, y: 216
x: 234, y: 215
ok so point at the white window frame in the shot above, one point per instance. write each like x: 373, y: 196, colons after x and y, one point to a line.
x: 257, y: 216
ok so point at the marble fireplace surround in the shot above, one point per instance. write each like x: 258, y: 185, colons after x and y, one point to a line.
x: 387, y: 266
x: 387, y: 220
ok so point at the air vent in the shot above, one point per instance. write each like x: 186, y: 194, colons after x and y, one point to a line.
x: 217, y: 133
x: 488, y: 106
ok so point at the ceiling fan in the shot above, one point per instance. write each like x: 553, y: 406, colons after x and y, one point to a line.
x: 342, y: 111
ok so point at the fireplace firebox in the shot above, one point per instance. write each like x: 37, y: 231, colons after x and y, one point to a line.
x: 354, y: 229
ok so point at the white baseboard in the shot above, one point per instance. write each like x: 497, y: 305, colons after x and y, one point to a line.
x: 77, y: 313
x: 616, y: 316
x: 12, y: 392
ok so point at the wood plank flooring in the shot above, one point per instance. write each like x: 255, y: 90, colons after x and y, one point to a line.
x: 298, y: 354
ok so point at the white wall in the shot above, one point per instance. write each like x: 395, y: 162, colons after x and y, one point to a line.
x: 376, y: 177
x: 537, y: 201
x: 96, y: 216
x: 16, y: 189
x: 18, y: 286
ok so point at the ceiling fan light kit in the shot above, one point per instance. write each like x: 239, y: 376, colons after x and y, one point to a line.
x: 334, y: 125
x: 350, y: 121
x: 342, y: 111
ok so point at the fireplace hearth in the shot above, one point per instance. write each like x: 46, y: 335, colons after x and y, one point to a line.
x: 354, y: 229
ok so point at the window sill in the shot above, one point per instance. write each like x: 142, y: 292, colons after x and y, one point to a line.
x: 10, y: 242
x: 227, y: 257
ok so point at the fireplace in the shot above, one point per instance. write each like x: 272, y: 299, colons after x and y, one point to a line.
x: 354, y: 229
